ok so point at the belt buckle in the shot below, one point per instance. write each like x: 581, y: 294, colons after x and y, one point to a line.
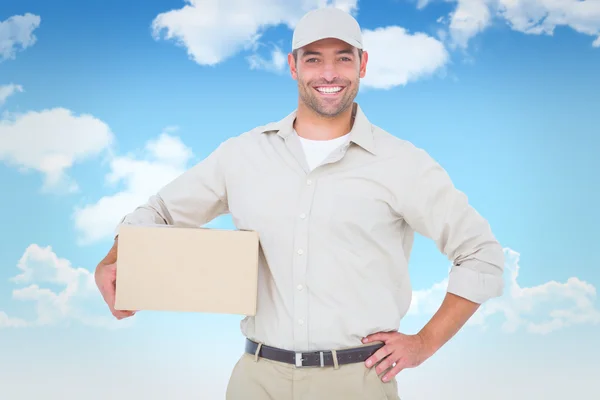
x: 299, y: 359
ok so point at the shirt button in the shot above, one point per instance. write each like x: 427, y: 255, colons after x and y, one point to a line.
x: 302, y: 215
x: 299, y: 287
x: 300, y: 251
x: 301, y: 321
x: 309, y: 182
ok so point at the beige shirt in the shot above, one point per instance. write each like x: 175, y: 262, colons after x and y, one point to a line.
x: 335, y: 241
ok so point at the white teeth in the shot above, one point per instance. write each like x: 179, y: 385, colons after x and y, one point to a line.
x: 329, y: 89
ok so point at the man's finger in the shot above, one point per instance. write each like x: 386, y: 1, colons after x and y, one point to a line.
x: 396, y: 368
x: 108, y: 290
x: 378, y: 355
x: 120, y: 314
x: 379, y: 336
x: 385, y: 364
x: 107, y: 295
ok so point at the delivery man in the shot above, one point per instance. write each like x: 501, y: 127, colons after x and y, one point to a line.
x: 336, y: 201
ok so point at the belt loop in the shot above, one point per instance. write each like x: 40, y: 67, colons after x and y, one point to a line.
x: 257, y: 351
x: 335, y: 360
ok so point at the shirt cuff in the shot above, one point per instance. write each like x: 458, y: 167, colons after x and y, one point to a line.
x: 466, y: 281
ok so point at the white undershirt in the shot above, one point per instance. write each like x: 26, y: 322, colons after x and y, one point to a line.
x: 316, y: 151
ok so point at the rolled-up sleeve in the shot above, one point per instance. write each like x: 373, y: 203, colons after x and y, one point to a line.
x: 194, y: 198
x: 436, y: 209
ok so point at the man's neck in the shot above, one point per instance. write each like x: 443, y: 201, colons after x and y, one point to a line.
x: 310, y: 125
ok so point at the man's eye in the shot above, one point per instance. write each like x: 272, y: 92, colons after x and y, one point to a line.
x: 346, y: 59
x: 311, y: 60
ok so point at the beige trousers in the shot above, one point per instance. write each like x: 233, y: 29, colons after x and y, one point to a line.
x: 257, y: 378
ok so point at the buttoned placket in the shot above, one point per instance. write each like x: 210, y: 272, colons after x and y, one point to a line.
x: 301, y: 236
x: 300, y: 266
x: 300, y: 256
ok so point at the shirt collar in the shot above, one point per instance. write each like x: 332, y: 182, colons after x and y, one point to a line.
x: 361, y: 132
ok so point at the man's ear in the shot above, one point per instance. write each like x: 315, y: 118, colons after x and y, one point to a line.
x: 292, y: 64
x: 363, y: 64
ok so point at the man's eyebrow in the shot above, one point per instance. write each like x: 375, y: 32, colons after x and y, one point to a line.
x: 317, y: 53
x: 311, y: 53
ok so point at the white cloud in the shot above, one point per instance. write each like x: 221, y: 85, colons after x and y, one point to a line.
x: 543, y: 16
x: 41, y: 266
x: 538, y: 309
x: 276, y: 63
x: 468, y: 19
x: 397, y: 57
x: 16, y: 33
x: 213, y: 31
x: 165, y: 158
x: 350, y: 6
x: 422, y: 4
x: 8, y: 90
x: 10, y: 322
x: 51, y: 142
x: 471, y: 17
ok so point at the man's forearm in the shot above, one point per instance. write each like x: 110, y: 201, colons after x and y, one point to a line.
x: 452, y: 315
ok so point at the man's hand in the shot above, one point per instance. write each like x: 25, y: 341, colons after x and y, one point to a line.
x: 399, y: 351
x: 106, y: 278
x: 408, y: 351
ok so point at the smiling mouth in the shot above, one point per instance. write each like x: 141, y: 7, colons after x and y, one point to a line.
x: 329, y: 90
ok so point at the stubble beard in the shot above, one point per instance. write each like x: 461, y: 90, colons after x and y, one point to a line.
x: 323, y: 107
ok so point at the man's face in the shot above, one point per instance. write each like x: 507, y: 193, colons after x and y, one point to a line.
x: 328, y: 74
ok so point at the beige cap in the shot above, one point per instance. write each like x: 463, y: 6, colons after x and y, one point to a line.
x: 327, y: 22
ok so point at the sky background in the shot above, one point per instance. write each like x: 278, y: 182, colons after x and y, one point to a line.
x: 101, y: 103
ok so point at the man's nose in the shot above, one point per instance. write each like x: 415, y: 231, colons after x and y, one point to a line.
x: 329, y: 72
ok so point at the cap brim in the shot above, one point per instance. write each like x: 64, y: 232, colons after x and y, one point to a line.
x: 350, y: 41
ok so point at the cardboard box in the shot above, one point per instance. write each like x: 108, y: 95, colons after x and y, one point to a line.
x: 167, y: 268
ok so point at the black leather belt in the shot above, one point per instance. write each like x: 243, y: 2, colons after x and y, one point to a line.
x: 313, y: 358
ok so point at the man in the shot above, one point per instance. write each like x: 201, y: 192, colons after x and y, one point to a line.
x: 336, y: 201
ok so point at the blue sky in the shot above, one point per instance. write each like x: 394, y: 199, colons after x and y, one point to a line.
x: 95, y: 96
